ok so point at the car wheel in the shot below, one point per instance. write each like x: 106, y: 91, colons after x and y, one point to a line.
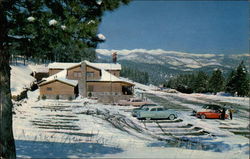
x: 171, y: 117
x: 203, y: 116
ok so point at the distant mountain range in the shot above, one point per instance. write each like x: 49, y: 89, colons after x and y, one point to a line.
x: 161, y: 64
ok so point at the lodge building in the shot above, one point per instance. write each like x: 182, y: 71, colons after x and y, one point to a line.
x: 100, y: 80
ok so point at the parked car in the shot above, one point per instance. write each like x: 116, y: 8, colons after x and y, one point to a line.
x: 157, y: 112
x: 133, y: 101
x: 211, y: 112
x: 207, y: 107
x: 136, y: 110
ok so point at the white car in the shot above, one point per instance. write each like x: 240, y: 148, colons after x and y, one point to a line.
x: 157, y: 112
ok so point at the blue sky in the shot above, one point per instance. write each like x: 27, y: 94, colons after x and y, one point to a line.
x: 189, y: 26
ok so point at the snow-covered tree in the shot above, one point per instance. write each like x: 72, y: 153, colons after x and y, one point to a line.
x: 44, y: 29
x: 216, y: 81
x: 238, y: 81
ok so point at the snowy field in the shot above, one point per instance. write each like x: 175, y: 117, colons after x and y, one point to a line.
x: 83, y: 128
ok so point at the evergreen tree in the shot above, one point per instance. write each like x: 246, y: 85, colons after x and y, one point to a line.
x: 231, y: 82
x: 238, y: 81
x: 242, y: 81
x: 216, y: 81
x: 135, y: 75
x: 44, y: 29
x: 201, y: 82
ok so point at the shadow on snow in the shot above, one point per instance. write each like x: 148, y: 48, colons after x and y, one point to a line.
x: 40, y: 149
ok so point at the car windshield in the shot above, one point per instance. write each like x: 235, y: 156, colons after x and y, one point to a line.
x: 204, y: 107
x: 146, y: 109
x: 160, y: 109
x: 213, y: 107
x: 154, y: 109
x: 146, y: 105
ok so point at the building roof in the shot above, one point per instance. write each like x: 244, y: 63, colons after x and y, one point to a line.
x: 108, y: 77
x: 60, y: 76
x: 105, y: 77
x: 105, y: 66
x: 61, y: 65
x: 39, y: 68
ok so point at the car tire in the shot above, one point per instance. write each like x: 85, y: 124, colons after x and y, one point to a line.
x: 203, y: 116
x: 171, y: 117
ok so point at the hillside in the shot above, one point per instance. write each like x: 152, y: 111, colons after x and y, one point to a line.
x: 164, y: 64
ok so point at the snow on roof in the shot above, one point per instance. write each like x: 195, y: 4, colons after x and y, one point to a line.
x: 39, y: 68
x: 61, y: 65
x: 108, y: 77
x: 60, y: 76
x: 105, y: 66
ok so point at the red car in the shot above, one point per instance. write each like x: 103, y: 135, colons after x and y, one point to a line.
x: 211, y: 112
x: 210, y: 115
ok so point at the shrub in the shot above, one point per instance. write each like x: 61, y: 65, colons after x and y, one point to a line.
x: 57, y: 97
x: 43, y: 97
x: 89, y: 94
x: 70, y: 98
x: 22, y: 95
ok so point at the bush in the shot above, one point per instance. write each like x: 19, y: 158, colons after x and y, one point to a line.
x: 70, y: 98
x: 89, y: 94
x: 22, y: 95
x: 43, y: 97
x: 34, y: 87
x: 184, y: 89
x: 57, y: 97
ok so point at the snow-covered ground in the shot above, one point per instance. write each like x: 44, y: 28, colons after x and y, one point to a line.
x: 20, y: 78
x: 73, y: 129
x: 83, y: 128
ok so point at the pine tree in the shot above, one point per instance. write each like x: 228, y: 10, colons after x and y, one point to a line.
x: 242, y: 82
x: 44, y: 29
x: 216, y: 81
x: 238, y: 81
x: 135, y: 75
x: 231, y: 82
x: 201, y: 82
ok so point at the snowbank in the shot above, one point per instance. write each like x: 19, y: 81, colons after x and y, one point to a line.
x: 20, y: 78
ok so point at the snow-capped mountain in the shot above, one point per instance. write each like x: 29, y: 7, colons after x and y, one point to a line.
x: 167, y: 63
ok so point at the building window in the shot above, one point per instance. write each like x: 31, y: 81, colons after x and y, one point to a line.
x: 90, y: 88
x: 49, y: 89
x: 90, y: 74
x: 77, y: 74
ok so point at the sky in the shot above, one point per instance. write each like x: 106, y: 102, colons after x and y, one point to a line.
x: 187, y: 26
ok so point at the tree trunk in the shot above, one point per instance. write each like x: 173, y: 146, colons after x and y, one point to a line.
x: 7, y: 144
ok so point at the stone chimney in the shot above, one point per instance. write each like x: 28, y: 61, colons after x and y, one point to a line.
x: 82, y: 82
x: 114, y: 57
